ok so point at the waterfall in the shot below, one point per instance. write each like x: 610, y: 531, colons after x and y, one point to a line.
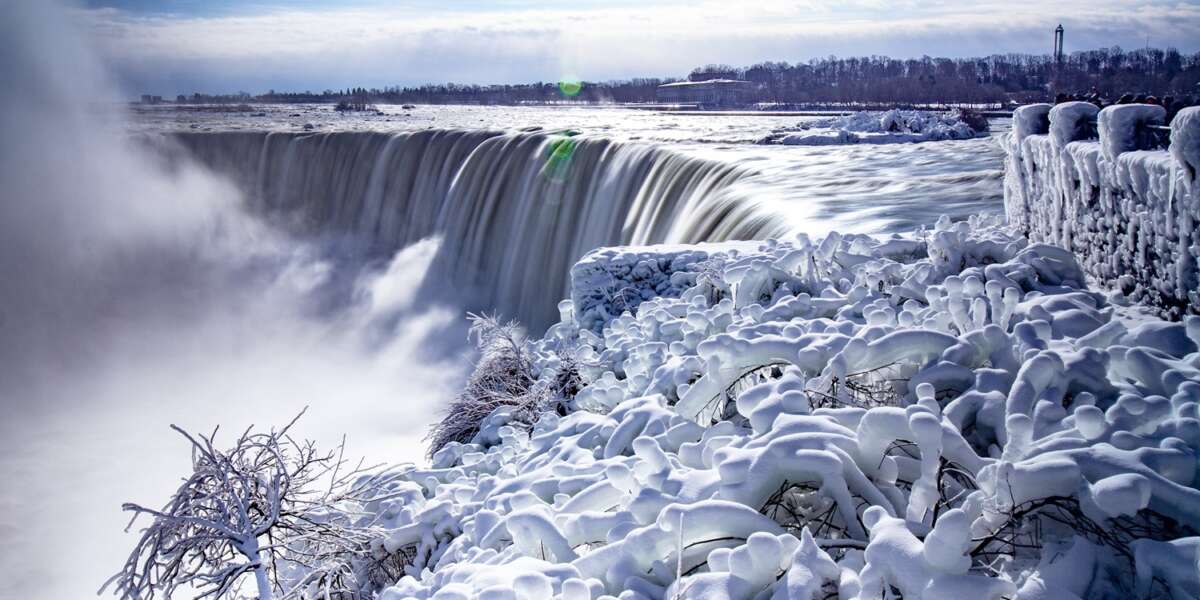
x: 514, y: 210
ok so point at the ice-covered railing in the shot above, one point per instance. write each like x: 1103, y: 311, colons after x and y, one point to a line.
x: 1128, y: 212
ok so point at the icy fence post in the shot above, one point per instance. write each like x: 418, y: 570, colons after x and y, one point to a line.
x: 1128, y: 214
x: 1028, y: 120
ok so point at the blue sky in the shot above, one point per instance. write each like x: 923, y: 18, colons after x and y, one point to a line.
x: 180, y: 46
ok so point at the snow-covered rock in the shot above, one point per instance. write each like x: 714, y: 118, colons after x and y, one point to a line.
x: 609, y: 281
x: 876, y: 127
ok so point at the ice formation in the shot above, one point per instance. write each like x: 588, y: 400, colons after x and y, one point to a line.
x: 876, y: 127
x: 953, y: 414
x: 1129, y: 214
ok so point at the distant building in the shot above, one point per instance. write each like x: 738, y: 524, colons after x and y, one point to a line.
x: 148, y: 99
x: 714, y: 92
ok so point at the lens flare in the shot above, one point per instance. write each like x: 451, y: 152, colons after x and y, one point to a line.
x: 558, y: 157
x: 570, y: 87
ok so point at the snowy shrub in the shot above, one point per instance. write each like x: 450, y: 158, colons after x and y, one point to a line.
x: 610, y: 281
x: 502, y: 385
x: 564, y: 377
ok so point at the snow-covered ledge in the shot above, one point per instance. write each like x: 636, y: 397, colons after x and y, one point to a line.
x: 608, y: 281
x: 1129, y: 214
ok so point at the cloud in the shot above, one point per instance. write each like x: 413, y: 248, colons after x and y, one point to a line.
x: 418, y: 42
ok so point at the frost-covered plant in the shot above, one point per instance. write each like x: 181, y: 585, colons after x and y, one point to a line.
x: 267, y: 503
x: 503, y: 377
x: 344, y: 555
x: 944, y: 417
x: 876, y: 387
x: 710, y: 279
x: 565, y: 379
x: 1024, y: 531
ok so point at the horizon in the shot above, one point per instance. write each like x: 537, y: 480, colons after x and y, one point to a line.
x: 667, y: 79
x: 171, y: 47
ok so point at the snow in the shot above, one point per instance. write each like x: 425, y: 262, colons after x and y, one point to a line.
x: 1177, y: 562
x: 894, y: 126
x: 1030, y: 119
x: 847, y: 415
x: 1118, y: 127
x: 1185, y: 146
x: 1068, y: 121
x: 1129, y: 214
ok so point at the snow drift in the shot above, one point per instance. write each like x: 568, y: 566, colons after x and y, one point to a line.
x: 949, y: 415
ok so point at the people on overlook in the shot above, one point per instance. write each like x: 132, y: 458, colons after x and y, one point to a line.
x: 1171, y: 103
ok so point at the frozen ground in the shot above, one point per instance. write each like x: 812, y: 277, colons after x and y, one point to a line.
x: 946, y: 416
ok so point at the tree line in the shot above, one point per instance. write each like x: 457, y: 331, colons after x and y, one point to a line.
x: 993, y: 79
x: 996, y: 79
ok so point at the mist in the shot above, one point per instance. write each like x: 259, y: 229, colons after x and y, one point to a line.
x: 137, y: 293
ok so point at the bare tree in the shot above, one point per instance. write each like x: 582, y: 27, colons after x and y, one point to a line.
x: 268, y: 498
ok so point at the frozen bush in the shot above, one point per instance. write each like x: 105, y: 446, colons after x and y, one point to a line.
x: 502, y: 383
x: 947, y: 415
x: 268, y: 508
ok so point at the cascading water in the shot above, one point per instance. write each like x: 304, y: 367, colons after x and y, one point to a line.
x: 514, y: 210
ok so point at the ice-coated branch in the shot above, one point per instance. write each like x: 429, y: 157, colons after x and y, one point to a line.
x: 242, y: 512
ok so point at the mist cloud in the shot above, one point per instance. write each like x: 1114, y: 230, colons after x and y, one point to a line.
x: 137, y: 293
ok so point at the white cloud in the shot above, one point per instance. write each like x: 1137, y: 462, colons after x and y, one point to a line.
x: 535, y: 41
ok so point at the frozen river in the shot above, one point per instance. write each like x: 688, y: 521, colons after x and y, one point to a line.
x: 869, y: 188
x: 517, y: 195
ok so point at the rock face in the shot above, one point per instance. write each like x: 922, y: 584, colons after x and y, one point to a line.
x: 1129, y: 214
